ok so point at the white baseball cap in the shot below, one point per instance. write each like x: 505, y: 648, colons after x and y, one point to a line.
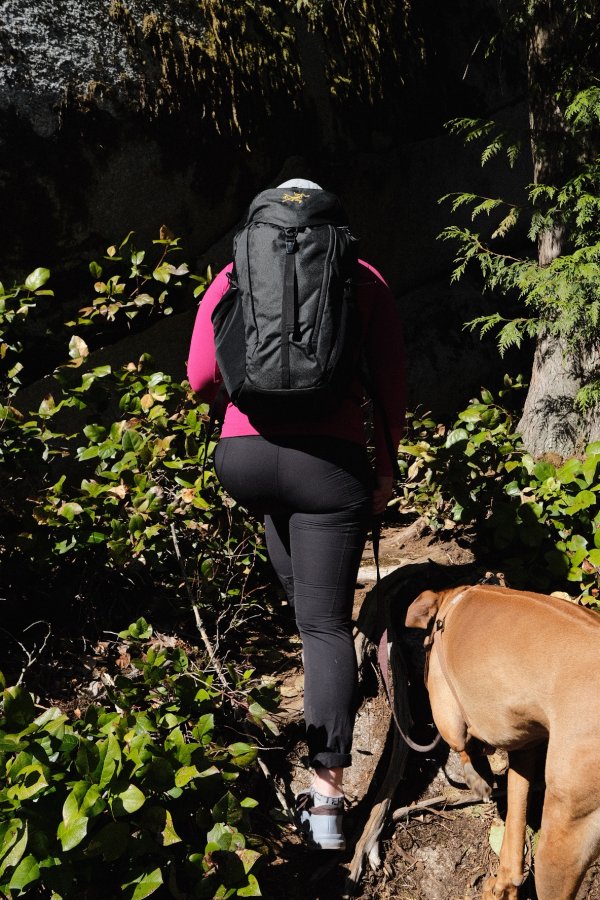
x: 300, y: 183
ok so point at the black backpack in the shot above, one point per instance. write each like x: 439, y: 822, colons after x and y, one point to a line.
x: 286, y: 331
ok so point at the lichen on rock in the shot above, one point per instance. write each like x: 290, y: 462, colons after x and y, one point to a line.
x: 228, y: 63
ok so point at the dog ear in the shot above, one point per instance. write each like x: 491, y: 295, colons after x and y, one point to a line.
x: 423, y: 610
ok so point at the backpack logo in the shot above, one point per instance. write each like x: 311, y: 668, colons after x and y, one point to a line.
x: 294, y: 198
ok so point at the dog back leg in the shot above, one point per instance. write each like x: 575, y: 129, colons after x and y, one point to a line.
x: 504, y: 885
x: 566, y: 849
x: 570, y: 832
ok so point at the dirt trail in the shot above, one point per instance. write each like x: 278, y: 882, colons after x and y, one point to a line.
x: 438, y: 854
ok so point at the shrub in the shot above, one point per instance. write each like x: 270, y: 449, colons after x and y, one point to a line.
x: 145, y: 793
x: 540, y: 518
x: 113, y: 468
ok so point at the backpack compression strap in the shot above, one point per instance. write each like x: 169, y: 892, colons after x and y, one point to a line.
x: 288, y: 308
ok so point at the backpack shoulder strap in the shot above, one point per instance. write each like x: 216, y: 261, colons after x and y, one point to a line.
x: 380, y: 411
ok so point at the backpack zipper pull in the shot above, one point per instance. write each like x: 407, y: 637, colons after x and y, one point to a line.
x: 290, y: 239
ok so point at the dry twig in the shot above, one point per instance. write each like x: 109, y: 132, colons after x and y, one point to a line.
x: 199, y: 623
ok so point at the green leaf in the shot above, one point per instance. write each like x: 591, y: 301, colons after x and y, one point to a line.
x: 26, y: 872
x: 87, y: 452
x: 543, y: 470
x: 588, y: 469
x: 457, y: 436
x: 132, y: 441
x: 227, y: 809
x: 204, y: 728
x: 47, y: 407
x: 583, y: 500
x: 185, y: 774
x: 251, y: 890
x: 69, y: 510
x: 145, y: 885
x: 248, y: 858
x: 111, y: 842
x: 162, y: 273
x: 31, y: 780
x: 95, y: 432
x: 160, y: 820
x: 136, y: 524
x: 19, y: 710
x: 243, y: 754
x: 472, y: 413
x: 139, y: 630
x: 72, y: 833
x: 569, y: 471
x: 127, y: 801
x: 496, y: 837
x: 13, y: 845
x: 36, y: 279
x: 110, y: 756
x: 224, y: 837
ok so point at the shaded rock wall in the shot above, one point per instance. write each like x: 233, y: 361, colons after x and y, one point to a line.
x: 113, y: 117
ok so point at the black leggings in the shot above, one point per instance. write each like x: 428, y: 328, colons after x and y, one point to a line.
x: 315, y: 494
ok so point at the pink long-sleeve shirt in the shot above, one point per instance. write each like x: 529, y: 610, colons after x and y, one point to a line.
x: 383, y: 345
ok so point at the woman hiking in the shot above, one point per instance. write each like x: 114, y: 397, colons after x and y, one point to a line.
x: 312, y: 481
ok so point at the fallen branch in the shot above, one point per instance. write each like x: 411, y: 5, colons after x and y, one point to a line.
x: 469, y: 799
x: 367, y: 846
x: 35, y: 653
x: 199, y: 623
x: 278, y: 793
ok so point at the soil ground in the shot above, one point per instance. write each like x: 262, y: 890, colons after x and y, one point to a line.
x: 444, y: 853
x: 438, y: 854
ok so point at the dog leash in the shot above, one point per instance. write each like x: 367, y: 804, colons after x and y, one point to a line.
x: 382, y: 651
x: 437, y: 632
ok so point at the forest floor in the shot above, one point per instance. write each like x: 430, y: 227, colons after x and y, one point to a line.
x: 441, y: 853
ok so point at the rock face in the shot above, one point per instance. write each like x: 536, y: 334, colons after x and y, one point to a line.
x: 116, y: 117
x: 61, y: 53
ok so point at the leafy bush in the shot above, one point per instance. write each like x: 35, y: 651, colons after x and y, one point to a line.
x: 15, y: 306
x: 143, y: 794
x: 110, y: 479
x: 112, y: 470
x: 131, y: 478
x: 130, y: 284
x: 542, y: 518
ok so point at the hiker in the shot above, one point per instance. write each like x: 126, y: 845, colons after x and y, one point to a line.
x: 312, y: 481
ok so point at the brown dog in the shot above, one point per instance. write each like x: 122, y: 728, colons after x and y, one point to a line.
x: 513, y: 669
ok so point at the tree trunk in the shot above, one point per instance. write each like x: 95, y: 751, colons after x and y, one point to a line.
x: 551, y: 422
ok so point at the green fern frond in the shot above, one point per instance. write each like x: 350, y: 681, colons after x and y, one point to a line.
x: 588, y: 397
x: 491, y: 150
x: 511, y: 335
x: 584, y: 109
x: 486, y: 206
x: 512, y: 153
x: 484, y: 323
x: 541, y: 191
x: 506, y: 224
x: 471, y: 129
